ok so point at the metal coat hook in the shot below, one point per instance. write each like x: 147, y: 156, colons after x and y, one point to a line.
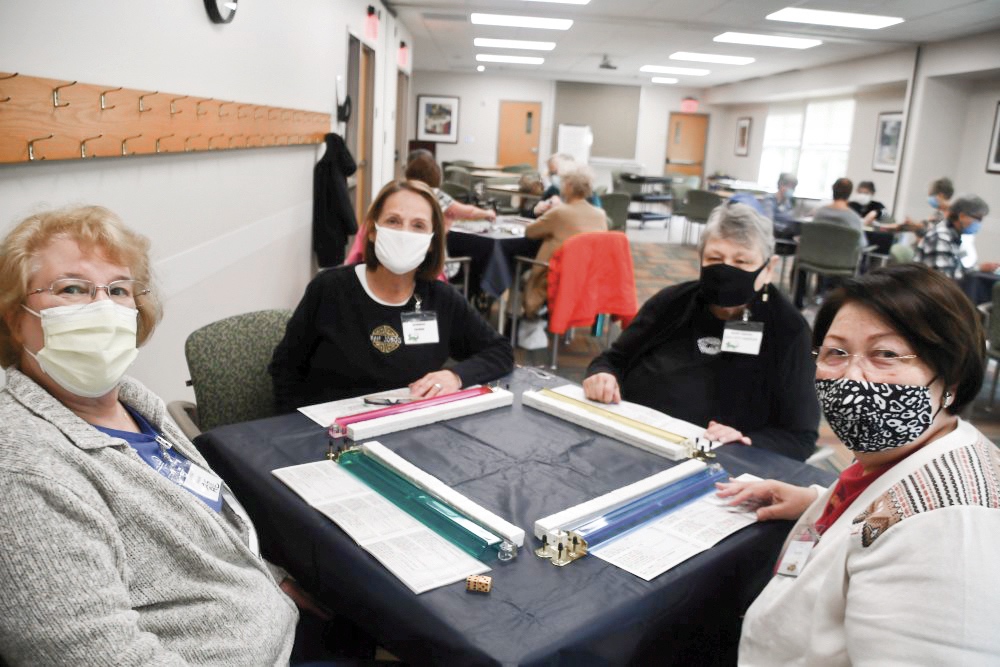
x: 198, y: 111
x: 222, y: 104
x: 83, y: 145
x: 173, y: 109
x: 214, y: 136
x: 2, y: 78
x: 166, y: 136
x: 142, y: 97
x: 104, y: 106
x: 125, y: 143
x: 31, y: 146
x: 187, y: 145
x: 55, y: 95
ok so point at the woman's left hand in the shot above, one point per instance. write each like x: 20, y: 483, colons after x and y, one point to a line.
x: 725, y: 434
x: 303, y: 600
x: 436, y: 384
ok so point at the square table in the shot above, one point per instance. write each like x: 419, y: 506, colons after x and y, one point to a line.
x: 523, y: 465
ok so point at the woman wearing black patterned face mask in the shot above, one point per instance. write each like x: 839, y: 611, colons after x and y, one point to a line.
x: 727, y: 350
x: 912, y: 528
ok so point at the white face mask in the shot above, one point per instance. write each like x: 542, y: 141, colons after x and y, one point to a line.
x: 863, y: 198
x: 88, y: 348
x: 399, y: 251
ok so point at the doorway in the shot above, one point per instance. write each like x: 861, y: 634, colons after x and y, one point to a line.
x: 687, y: 134
x: 519, y: 134
x: 360, y: 126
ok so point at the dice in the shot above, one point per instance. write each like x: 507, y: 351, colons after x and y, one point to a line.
x: 478, y: 583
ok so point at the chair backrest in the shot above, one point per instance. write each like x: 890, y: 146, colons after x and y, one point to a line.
x: 591, y: 274
x: 456, y: 191
x: 615, y: 205
x: 993, y: 324
x: 901, y: 253
x: 460, y: 175
x: 699, y: 204
x: 228, y: 362
x: 829, y: 248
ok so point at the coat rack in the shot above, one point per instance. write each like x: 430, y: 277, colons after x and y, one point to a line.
x: 51, y: 119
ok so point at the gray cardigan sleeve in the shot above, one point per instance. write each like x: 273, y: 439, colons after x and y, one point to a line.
x: 63, y: 600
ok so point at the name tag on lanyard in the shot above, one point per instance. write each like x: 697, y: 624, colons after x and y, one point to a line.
x: 420, y: 327
x: 189, y: 475
x: 793, y: 560
x: 743, y: 337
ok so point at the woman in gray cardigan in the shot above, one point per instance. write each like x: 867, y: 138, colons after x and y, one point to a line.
x: 118, y: 544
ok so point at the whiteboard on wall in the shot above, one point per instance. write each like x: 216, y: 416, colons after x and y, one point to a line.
x: 575, y: 140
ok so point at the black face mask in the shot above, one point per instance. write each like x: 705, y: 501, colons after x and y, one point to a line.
x: 727, y: 286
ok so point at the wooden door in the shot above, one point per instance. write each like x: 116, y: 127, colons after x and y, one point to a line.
x: 520, y: 129
x: 687, y: 134
x: 360, y: 126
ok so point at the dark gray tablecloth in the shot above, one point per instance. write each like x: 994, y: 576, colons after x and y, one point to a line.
x: 492, y: 254
x: 523, y: 465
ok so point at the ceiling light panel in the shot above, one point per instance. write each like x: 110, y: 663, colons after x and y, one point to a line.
x: 515, y: 60
x: 664, y: 79
x: 689, y: 71
x: 510, y: 21
x: 488, y: 43
x: 711, y: 58
x: 838, y: 19
x: 767, y: 40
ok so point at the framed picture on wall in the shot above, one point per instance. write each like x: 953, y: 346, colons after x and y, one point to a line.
x: 887, y: 132
x: 437, y: 119
x: 743, y: 137
x: 993, y: 159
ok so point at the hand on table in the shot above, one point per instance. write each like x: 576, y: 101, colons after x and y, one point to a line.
x: 725, y: 434
x: 436, y: 384
x: 489, y: 214
x: 989, y: 267
x: 778, y: 500
x: 602, y: 387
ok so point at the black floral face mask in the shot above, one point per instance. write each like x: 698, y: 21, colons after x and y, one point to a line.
x: 875, y: 416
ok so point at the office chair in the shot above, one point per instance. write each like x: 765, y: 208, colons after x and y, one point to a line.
x: 696, y: 207
x: 228, y: 362
x: 827, y: 249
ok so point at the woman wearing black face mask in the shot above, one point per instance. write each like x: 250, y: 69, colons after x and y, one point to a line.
x: 690, y: 354
x: 896, y: 562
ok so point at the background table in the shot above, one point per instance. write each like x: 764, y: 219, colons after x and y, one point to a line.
x: 523, y: 465
x: 492, y: 253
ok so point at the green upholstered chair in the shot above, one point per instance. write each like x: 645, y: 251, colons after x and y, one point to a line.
x: 458, y: 192
x: 615, y: 204
x: 696, y: 207
x: 828, y: 249
x: 228, y: 362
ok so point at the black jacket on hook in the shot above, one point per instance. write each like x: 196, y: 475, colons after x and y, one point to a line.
x: 333, y: 214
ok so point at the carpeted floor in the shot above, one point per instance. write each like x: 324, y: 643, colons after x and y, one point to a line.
x: 658, y: 264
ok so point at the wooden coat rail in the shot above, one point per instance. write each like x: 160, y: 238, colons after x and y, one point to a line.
x: 49, y: 119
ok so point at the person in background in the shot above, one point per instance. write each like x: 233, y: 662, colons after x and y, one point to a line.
x: 672, y: 357
x: 550, y: 197
x: 942, y: 247
x: 574, y: 216
x: 355, y: 331
x: 838, y: 212
x: 863, y: 203
x: 778, y: 207
x: 895, y: 563
x: 939, y: 194
x: 120, y: 545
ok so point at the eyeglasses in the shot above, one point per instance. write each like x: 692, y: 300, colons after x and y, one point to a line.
x: 836, y: 359
x: 78, y: 290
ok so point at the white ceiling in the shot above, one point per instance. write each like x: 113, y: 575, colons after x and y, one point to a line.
x: 634, y: 33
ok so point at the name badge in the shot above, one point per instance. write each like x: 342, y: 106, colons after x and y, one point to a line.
x: 203, y: 483
x: 793, y: 561
x: 743, y: 337
x: 420, y: 327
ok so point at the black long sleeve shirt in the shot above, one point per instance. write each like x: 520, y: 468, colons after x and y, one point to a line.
x: 341, y: 343
x: 669, y: 359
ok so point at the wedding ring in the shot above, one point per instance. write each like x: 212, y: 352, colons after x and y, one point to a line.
x: 437, y: 385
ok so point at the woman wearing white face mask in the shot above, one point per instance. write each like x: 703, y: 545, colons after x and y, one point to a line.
x: 119, y: 543
x: 895, y: 564
x: 388, y: 322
